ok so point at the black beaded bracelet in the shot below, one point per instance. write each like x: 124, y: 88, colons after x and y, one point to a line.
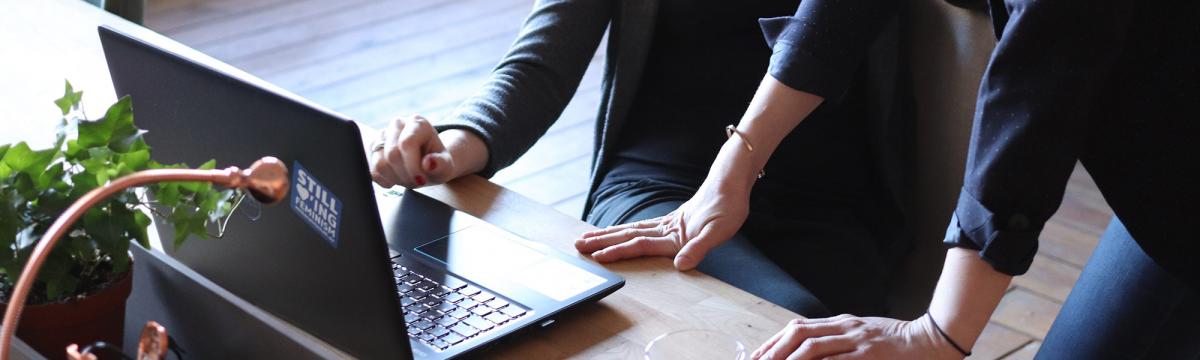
x: 945, y: 336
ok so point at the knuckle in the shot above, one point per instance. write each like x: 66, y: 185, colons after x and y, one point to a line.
x: 867, y: 348
x: 796, y: 321
x: 394, y: 155
x: 811, y: 345
x: 661, y: 228
x: 642, y: 242
x: 795, y: 327
x: 409, y: 141
x: 871, y: 332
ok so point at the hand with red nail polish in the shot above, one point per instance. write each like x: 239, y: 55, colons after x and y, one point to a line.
x: 414, y: 154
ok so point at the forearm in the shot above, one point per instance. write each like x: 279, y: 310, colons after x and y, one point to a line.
x: 535, y: 80
x: 967, y: 293
x: 774, y: 111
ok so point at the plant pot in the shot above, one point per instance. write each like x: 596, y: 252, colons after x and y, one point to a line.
x: 50, y: 328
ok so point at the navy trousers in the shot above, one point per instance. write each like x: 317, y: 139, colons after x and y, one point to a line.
x: 1124, y: 306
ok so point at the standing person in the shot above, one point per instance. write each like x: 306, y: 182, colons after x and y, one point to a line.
x: 1113, y: 85
x: 822, y: 228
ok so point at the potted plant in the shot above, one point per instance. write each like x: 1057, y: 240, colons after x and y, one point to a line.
x: 80, y: 292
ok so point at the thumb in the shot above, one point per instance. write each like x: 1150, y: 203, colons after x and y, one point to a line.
x: 694, y: 251
x: 438, y: 166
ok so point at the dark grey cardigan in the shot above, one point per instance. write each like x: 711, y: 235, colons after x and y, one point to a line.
x: 530, y: 88
x: 532, y: 85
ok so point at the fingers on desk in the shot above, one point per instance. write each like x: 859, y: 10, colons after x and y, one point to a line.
x: 589, y: 244
x: 643, y: 238
x: 638, y: 247
x: 810, y: 339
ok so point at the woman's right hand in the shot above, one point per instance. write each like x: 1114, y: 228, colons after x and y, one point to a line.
x: 414, y: 154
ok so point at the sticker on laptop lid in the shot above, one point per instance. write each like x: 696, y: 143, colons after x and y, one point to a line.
x: 318, y: 206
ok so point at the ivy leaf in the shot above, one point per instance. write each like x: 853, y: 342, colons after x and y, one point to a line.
x: 168, y: 194
x: 84, y: 182
x: 73, y: 150
x: 124, y: 133
x: 81, y: 247
x: 56, y: 274
x: 50, y: 176
x: 24, y: 186
x: 21, y: 159
x: 134, y: 160
x: 26, y: 238
x: 70, y: 100
x: 54, y: 200
x: 10, y: 220
x: 132, y: 142
x: 116, y: 122
x: 141, y: 223
x: 108, y: 228
x: 196, y: 187
x: 183, y: 227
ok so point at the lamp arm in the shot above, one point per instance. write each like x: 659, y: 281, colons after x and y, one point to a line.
x: 266, y: 180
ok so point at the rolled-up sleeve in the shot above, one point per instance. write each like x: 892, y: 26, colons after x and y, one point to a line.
x: 818, y: 49
x: 1035, y: 107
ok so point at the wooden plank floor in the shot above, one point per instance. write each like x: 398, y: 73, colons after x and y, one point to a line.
x: 375, y: 60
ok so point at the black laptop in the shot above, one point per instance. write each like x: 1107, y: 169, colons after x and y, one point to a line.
x: 439, y: 284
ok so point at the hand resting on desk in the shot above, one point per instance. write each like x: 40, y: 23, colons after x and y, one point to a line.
x: 706, y: 220
x: 711, y: 217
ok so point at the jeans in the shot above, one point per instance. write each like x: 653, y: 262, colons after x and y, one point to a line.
x: 1124, y: 306
x: 815, y: 267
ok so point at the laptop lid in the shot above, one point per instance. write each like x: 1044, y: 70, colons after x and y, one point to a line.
x: 319, y: 265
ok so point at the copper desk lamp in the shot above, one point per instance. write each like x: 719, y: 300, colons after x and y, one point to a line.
x: 266, y: 180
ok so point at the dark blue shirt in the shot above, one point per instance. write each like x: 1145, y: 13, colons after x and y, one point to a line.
x: 705, y: 64
x: 1112, y: 84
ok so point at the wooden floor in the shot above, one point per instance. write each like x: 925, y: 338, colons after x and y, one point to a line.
x: 375, y: 60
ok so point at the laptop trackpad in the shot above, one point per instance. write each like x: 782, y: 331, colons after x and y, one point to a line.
x: 487, y: 256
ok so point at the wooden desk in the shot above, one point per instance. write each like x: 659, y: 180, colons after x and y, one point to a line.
x: 656, y: 298
x: 42, y: 42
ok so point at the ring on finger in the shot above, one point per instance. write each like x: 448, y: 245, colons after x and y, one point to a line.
x: 378, y: 144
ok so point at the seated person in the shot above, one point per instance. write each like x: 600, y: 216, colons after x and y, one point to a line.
x: 1112, y: 85
x: 820, y: 231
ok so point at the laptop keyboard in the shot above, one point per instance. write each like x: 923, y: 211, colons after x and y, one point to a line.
x: 442, y: 315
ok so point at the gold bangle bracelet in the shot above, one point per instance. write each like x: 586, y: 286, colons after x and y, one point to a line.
x: 730, y: 131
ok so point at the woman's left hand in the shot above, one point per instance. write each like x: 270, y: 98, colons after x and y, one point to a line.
x: 712, y: 216
x: 850, y: 337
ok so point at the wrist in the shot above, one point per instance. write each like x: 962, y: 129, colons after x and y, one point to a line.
x: 466, y: 149
x: 734, y: 170
x: 942, y: 345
